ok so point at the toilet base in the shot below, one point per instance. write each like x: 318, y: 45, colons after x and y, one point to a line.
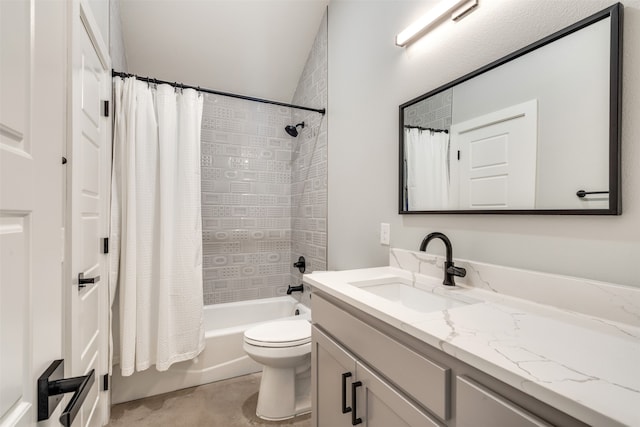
x: 293, y: 396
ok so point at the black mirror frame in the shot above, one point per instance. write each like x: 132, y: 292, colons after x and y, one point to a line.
x: 614, y: 12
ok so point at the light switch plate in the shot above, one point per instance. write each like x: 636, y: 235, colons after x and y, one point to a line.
x: 385, y: 233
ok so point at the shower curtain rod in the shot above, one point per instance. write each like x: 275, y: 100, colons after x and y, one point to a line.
x: 429, y: 129
x: 216, y: 92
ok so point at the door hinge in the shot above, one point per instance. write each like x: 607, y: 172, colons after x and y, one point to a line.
x: 105, y: 108
x: 105, y: 382
x: 105, y: 245
x: 458, y: 154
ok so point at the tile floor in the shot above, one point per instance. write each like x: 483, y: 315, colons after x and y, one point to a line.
x: 228, y: 403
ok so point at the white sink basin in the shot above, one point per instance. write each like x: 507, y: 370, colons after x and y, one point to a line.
x: 398, y: 291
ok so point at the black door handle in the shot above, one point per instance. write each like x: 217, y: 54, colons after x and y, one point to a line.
x: 354, y: 415
x: 51, y: 387
x: 345, y: 408
x: 82, y: 281
x: 80, y: 386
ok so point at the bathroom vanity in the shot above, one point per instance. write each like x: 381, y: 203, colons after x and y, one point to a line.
x: 393, y: 347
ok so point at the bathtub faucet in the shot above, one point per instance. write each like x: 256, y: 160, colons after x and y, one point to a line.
x: 299, y: 288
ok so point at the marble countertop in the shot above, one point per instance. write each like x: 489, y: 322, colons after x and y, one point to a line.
x: 583, y: 365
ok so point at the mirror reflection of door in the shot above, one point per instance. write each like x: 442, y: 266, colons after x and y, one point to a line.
x: 493, y: 165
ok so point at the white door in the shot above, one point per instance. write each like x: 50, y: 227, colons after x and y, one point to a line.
x: 87, y: 198
x: 496, y: 159
x: 32, y: 134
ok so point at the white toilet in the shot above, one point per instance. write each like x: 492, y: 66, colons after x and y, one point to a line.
x: 284, y: 349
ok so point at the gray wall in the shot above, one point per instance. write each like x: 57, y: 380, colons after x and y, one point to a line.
x: 365, y: 91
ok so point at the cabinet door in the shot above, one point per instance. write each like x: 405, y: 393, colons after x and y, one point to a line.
x: 480, y: 407
x: 333, y: 372
x: 425, y: 381
x: 378, y: 404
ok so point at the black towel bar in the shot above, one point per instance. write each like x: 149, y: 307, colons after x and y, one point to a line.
x: 582, y: 193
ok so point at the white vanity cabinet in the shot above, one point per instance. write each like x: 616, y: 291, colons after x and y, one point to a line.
x: 367, y: 373
x: 349, y: 393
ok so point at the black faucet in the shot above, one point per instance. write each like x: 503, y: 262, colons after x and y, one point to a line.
x: 449, y: 269
x: 299, y: 288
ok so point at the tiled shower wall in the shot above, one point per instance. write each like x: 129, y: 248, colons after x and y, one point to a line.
x: 246, y: 199
x: 434, y: 112
x: 309, y: 165
x: 264, y: 193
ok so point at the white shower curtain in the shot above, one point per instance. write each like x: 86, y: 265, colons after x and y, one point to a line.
x: 156, y: 225
x: 427, y: 158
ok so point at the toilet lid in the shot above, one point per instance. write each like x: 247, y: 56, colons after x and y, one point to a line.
x: 282, y: 333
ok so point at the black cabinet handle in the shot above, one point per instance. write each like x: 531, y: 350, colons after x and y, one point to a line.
x: 82, y: 281
x: 354, y: 415
x: 345, y: 408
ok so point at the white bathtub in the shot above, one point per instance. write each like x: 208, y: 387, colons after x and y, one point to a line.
x: 223, y: 356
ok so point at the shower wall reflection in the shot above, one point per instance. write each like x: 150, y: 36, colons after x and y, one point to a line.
x: 434, y: 112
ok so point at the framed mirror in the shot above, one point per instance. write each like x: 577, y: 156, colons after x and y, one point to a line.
x: 536, y: 132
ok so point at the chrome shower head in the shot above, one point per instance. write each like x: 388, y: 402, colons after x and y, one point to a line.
x: 293, y: 130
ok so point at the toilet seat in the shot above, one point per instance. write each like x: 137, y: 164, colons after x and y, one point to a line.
x: 278, y: 334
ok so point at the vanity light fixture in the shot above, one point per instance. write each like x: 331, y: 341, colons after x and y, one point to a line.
x: 458, y: 9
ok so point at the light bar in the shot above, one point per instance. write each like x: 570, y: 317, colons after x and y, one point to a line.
x: 434, y: 16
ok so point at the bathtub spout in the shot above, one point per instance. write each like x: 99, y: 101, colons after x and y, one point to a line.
x: 299, y: 288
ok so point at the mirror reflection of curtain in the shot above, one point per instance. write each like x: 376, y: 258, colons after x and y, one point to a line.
x: 427, y: 162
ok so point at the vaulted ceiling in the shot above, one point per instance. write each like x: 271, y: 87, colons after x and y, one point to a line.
x: 251, y: 47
